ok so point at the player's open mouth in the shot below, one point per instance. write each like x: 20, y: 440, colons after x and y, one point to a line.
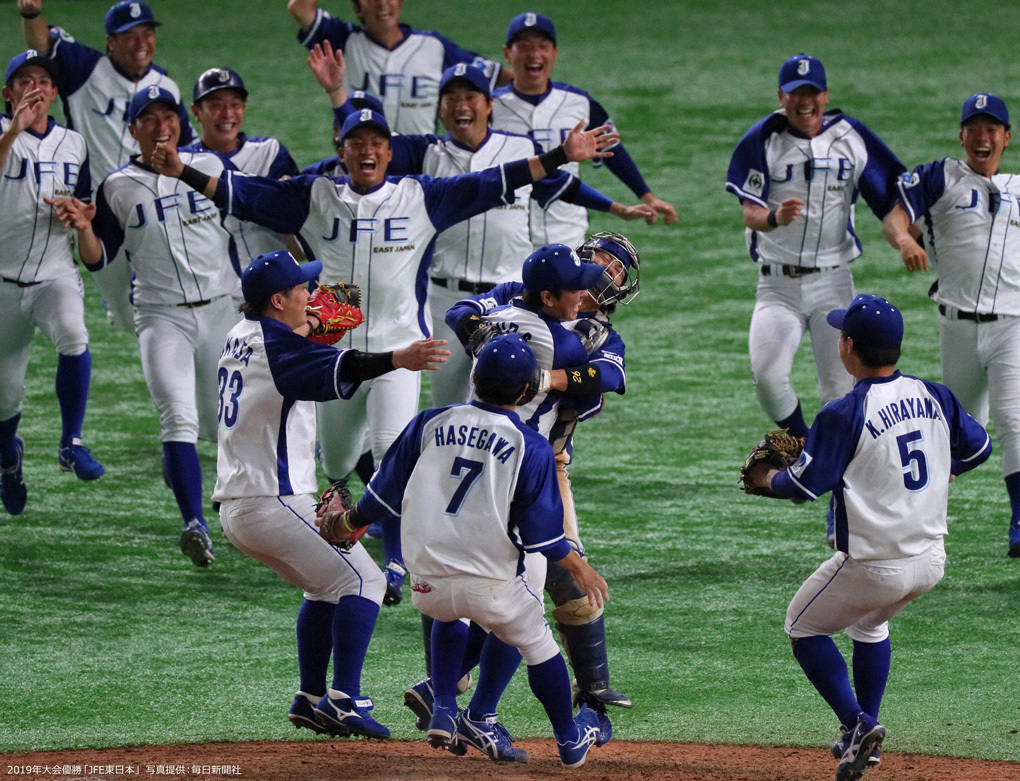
x: 226, y: 127
x: 464, y: 120
x: 806, y: 112
x: 161, y: 139
x: 367, y: 165
x: 982, y: 152
x: 532, y: 67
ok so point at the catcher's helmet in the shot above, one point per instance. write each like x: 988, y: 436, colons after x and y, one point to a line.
x: 217, y: 79
x: 607, y: 293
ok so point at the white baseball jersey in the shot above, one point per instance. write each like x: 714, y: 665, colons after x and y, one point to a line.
x: 406, y: 78
x: 96, y: 97
x: 971, y: 234
x: 477, y: 489
x: 886, y: 451
x: 262, y: 157
x: 548, y: 119
x: 381, y: 240
x: 36, y: 245
x: 555, y: 346
x: 269, y: 381
x: 171, y: 234
x: 773, y: 162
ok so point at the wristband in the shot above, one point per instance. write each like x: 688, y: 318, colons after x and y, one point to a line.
x: 30, y: 16
x: 771, y: 219
x: 553, y: 159
x: 194, y: 178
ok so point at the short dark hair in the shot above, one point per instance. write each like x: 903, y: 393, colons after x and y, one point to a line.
x: 533, y: 298
x: 877, y: 357
x: 500, y: 395
x: 252, y: 310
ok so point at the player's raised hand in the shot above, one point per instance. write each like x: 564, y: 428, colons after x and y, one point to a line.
x: 581, y: 145
x: 328, y: 66
x: 789, y: 210
x: 665, y: 208
x: 72, y: 212
x: 425, y: 354
x: 639, y: 211
x: 29, y: 7
x: 166, y: 161
x: 31, y: 106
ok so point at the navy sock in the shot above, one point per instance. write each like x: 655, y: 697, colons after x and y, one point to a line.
x: 795, y: 423
x: 551, y: 684
x: 448, y: 641
x: 871, y: 671
x: 353, y: 624
x: 497, y: 666
x: 825, y: 667
x: 8, y: 428
x: 74, y: 372
x: 473, y: 650
x: 426, y: 633
x: 1013, y: 487
x: 181, y: 467
x: 314, y: 644
x: 365, y: 467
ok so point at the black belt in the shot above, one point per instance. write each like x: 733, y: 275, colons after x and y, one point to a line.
x: 474, y: 288
x: 197, y: 304
x: 977, y: 317
x: 19, y: 283
x: 794, y: 272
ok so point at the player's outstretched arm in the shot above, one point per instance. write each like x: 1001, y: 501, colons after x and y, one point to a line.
x: 665, y: 208
x: 329, y: 69
x: 34, y: 27
x: 585, y: 576
x: 758, y: 218
x: 896, y: 227
x: 423, y: 355
x: 78, y: 215
x: 639, y: 211
x: 303, y: 12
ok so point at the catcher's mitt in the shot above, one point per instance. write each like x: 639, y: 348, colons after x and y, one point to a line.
x: 778, y: 450
x: 593, y: 332
x: 338, y: 309
x: 332, y: 515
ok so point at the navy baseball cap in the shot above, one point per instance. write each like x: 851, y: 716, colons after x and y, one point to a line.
x: 557, y: 267
x: 127, y: 14
x: 146, y: 97
x: 216, y: 79
x: 26, y: 58
x: 275, y: 272
x: 530, y: 21
x: 360, y: 99
x: 802, y: 70
x: 985, y: 103
x: 506, y: 360
x: 364, y: 118
x: 870, y: 321
x: 471, y: 75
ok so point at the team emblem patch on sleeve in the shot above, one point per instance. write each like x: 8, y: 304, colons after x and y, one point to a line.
x: 755, y: 182
x: 909, y: 180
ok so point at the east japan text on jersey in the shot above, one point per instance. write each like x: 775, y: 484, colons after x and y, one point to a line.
x: 36, y: 245
x: 773, y: 162
x: 972, y: 233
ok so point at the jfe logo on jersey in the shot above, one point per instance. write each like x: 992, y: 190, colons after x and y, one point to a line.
x: 197, y: 205
x: 48, y: 169
x: 819, y: 167
x: 400, y: 84
x: 393, y: 230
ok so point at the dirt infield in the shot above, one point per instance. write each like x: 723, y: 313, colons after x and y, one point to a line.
x: 400, y: 761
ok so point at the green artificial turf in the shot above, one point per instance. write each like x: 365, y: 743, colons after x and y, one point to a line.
x: 110, y: 637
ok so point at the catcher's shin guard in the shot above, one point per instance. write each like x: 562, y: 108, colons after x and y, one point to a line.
x: 586, y: 648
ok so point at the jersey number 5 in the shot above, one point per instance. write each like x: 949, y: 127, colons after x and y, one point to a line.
x: 467, y: 471
x: 231, y: 385
x: 915, y: 463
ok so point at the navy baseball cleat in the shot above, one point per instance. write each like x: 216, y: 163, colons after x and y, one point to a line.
x: 419, y: 699
x: 13, y: 492
x: 490, y: 737
x: 443, y: 730
x: 839, y: 746
x: 196, y: 543
x: 302, y: 714
x: 1014, y: 540
x: 336, y: 709
x: 574, y: 750
x: 77, y: 458
x: 602, y: 695
x: 394, y: 573
x: 866, y: 738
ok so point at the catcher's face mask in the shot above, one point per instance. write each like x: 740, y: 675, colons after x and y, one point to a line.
x: 619, y: 283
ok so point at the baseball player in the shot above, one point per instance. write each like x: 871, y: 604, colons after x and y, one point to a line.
x: 969, y: 210
x: 182, y: 259
x: 269, y: 375
x: 39, y: 286
x: 96, y: 88
x: 220, y: 98
x: 546, y: 110
x: 358, y: 100
x: 375, y: 231
x: 396, y: 63
x: 798, y: 173
x: 473, y: 489
x: 888, y: 451
x: 475, y: 255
